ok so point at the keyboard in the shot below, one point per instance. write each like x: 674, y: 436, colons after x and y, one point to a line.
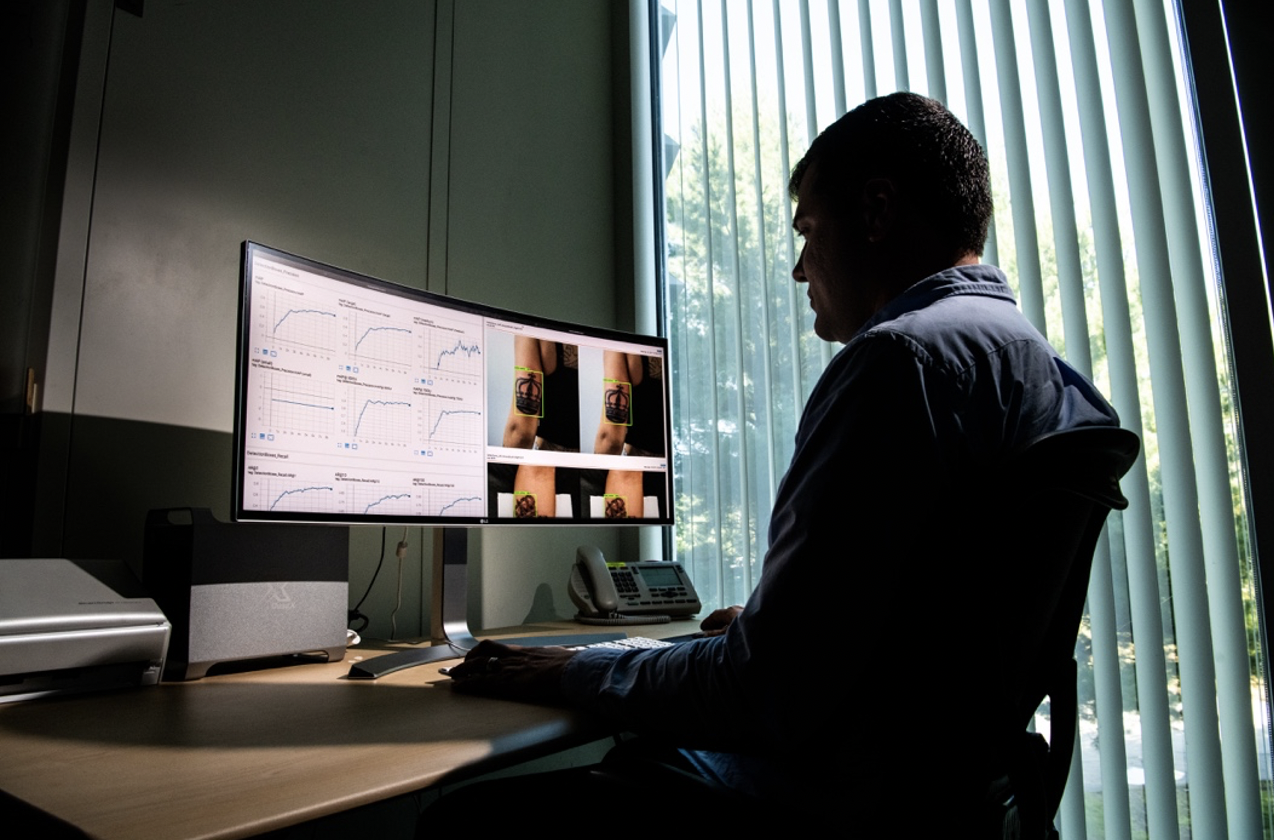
x: 378, y: 666
x: 629, y: 643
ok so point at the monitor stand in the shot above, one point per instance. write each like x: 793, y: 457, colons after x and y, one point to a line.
x: 448, y: 612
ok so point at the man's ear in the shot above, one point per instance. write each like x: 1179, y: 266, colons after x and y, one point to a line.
x: 880, y: 208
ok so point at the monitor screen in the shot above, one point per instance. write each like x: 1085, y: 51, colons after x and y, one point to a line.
x: 361, y: 401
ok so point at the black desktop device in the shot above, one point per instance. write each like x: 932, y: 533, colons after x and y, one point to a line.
x: 359, y: 401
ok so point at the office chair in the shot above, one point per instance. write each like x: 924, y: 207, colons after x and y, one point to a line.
x: 1059, y: 489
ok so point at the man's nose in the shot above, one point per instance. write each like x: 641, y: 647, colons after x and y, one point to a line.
x: 798, y: 272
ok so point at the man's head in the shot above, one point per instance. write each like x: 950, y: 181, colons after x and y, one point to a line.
x: 932, y: 160
x: 893, y: 191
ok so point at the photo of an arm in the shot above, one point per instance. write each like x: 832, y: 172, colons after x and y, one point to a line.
x: 527, y: 406
x: 533, y: 486
x: 624, y: 495
x: 621, y: 372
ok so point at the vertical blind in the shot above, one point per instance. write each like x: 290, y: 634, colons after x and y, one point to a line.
x: 1084, y: 109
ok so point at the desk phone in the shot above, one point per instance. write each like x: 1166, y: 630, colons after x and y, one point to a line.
x: 629, y: 593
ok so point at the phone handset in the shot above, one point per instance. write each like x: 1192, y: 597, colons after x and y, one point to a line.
x: 591, y: 587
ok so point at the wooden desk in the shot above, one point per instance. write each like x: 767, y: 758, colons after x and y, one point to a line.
x: 236, y: 755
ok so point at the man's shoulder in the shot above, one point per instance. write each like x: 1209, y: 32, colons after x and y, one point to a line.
x: 954, y: 320
x: 959, y: 337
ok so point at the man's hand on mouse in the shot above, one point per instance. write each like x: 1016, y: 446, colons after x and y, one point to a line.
x: 512, y: 671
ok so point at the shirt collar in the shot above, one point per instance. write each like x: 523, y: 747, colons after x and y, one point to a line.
x: 976, y: 279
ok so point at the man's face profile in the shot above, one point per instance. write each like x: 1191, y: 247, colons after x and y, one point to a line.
x: 831, y: 264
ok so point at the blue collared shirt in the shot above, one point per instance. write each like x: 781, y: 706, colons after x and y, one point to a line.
x: 832, y: 659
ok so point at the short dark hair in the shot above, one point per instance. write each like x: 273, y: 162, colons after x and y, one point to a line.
x: 931, y: 158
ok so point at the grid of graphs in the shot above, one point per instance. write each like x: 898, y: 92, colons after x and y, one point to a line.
x: 360, y: 402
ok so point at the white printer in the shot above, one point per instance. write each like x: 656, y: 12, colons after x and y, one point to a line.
x: 65, y: 626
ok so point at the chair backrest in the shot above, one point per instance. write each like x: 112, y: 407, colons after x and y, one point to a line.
x: 1070, y: 481
x: 1060, y: 489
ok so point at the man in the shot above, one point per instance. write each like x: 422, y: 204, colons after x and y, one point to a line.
x: 862, y: 655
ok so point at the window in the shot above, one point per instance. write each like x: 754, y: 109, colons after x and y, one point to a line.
x: 1101, y: 227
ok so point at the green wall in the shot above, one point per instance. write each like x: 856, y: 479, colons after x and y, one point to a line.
x: 467, y: 147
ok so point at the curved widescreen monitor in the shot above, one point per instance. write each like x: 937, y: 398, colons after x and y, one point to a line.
x: 360, y: 401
